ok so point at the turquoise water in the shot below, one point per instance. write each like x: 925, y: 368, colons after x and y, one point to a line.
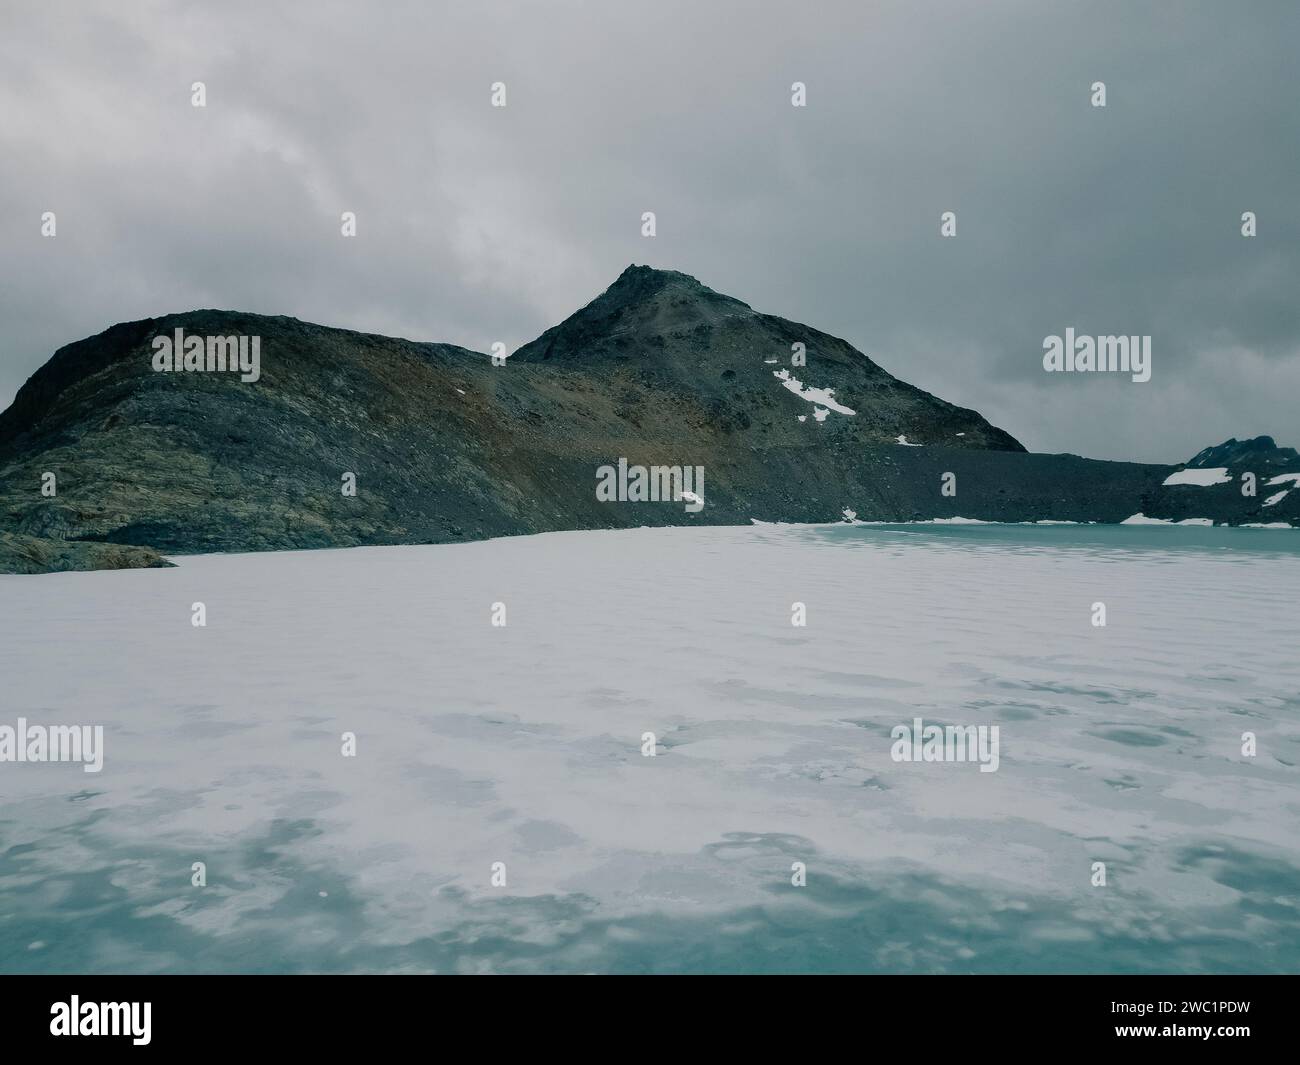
x: 523, y: 745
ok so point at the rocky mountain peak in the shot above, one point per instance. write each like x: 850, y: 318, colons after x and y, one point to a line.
x: 643, y: 305
x: 1260, y: 450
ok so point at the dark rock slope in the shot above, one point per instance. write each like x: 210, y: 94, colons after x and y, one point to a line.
x: 660, y: 333
x: 658, y: 370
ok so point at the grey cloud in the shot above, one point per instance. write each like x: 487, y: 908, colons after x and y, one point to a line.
x: 478, y: 224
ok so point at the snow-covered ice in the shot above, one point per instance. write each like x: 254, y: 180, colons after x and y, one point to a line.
x: 522, y: 744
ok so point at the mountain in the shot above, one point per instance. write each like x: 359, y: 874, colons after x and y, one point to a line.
x: 444, y: 445
x: 664, y: 331
x: 1241, y: 481
x: 1261, y: 453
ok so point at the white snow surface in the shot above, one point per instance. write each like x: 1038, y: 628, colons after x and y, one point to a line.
x: 1142, y: 519
x: 478, y: 744
x: 1201, y: 478
x: 824, y: 396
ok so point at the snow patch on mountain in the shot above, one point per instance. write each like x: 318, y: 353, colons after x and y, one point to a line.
x: 1202, y: 478
x: 824, y: 396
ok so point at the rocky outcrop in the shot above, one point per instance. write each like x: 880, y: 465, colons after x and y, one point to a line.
x: 32, y: 554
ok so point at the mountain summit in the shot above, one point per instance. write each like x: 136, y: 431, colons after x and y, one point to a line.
x: 640, y: 311
x: 668, y: 330
x: 1261, y: 453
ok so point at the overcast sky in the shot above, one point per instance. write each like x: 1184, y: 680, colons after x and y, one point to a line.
x: 478, y: 224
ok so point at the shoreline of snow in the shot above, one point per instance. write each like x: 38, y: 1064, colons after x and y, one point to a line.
x: 1141, y: 519
x: 180, y: 559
